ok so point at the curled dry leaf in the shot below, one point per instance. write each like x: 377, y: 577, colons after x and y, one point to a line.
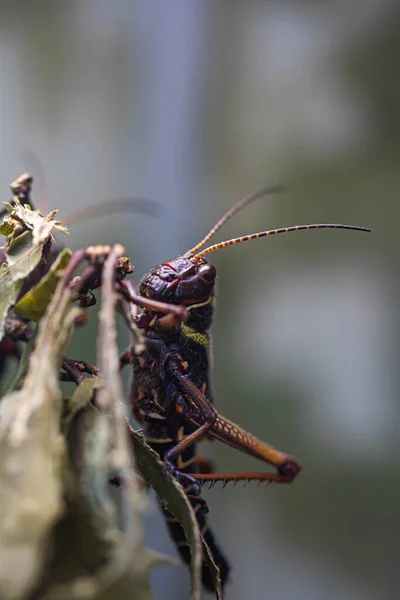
x: 28, y: 238
x: 98, y: 553
x: 31, y: 455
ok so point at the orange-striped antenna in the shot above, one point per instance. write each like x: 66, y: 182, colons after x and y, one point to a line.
x: 271, y: 189
x: 255, y: 236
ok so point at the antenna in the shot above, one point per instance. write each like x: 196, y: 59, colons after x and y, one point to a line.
x: 118, y: 205
x: 255, y: 236
x: 271, y: 189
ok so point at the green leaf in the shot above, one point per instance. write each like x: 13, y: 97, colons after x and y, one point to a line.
x: 6, y: 229
x: 171, y: 494
x: 9, y: 291
x: 214, y: 569
x: 31, y: 451
x: 33, y: 304
x: 9, y: 207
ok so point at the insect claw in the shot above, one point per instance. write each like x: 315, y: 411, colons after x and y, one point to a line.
x: 198, y: 501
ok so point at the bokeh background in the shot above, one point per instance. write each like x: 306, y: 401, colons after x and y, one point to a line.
x: 195, y: 103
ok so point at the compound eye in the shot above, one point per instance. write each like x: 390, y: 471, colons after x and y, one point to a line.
x: 207, y: 272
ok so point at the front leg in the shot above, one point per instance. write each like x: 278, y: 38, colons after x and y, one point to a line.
x: 175, y: 451
x: 174, y: 314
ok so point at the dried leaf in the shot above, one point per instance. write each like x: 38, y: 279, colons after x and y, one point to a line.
x: 97, y: 553
x: 33, y: 304
x: 80, y: 399
x: 31, y: 454
x: 90, y: 551
x: 111, y: 398
x: 22, y: 217
x: 27, y: 234
x: 88, y: 556
x: 23, y: 366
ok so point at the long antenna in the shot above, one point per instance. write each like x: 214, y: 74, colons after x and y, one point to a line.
x: 271, y: 189
x: 117, y: 205
x: 255, y: 236
x: 143, y: 206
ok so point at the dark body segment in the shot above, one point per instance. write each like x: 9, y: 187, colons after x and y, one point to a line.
x: 156, y: 403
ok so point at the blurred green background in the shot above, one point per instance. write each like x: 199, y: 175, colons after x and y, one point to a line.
x: 195, y: 103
